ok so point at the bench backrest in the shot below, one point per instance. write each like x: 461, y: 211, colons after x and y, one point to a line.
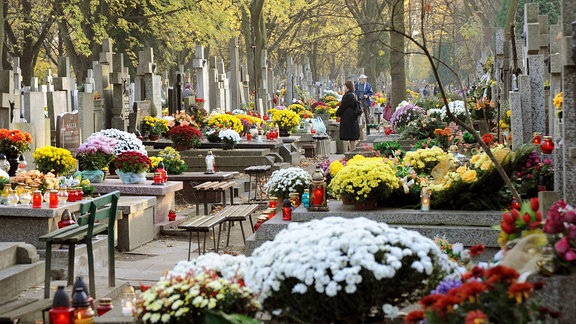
x: 99, y: 210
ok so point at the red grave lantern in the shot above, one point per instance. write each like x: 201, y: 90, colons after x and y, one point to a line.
x: 318, y: 192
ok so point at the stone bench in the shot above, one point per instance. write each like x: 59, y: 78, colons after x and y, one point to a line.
x: 136, y: 226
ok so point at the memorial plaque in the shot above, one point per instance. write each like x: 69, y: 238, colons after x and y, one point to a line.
x: 68, y: 133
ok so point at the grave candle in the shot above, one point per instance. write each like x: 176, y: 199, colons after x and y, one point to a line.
x: 37, y: 199
x: 317, y: 196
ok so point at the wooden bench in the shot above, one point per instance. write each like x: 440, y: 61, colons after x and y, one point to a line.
x: 205, y: 223
x: 214, y: 186
x: 96, y: 216
x: 259, y: 171
x: 240, y: 214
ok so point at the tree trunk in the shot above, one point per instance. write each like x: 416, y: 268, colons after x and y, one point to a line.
x: 259, y: 42
x: 397, y: 57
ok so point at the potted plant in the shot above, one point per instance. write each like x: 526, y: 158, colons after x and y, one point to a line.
x: 94, y: 156
x: 340, y: 270
x: 284, y: 181
x: 185, y: 136
x: 54, y: 159
x: 124, y: 141
x: 229, y: 138
x: 286, y: 120
x: 154, y: 127
x: 366, y: 180
x: 173, y: 164
x: 131, y: 166
x: 14, y: 142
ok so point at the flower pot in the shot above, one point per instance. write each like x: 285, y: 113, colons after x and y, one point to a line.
x: 181, y: 147
x: 95, y: 176
x: 131, y: 177
x: 369, y: 204
x: 228, y: 145
x: 153, y: 137
x: 13, y: 160
x: 284, y: 133
x: 347, y: 200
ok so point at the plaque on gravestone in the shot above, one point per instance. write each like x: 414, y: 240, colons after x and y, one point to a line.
x: 68, y: 135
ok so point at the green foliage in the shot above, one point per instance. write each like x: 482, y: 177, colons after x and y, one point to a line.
x: 391, y: 148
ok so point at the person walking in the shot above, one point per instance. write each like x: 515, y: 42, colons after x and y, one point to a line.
x: 349, y: 127
x: 363, y: 91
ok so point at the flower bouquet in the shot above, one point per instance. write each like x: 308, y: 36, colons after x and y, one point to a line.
x: 284, y: 181
x: 173, y: 164
x: 229, y: 138
x: 404, y: 114
x: 154, y: 125
x: 338, y: 270
x: 180, y: 117
x: 192, y: 290
x: 286, y: 119
x: 132, y: 166
x: 14, y: 142
x: 490, y: 295
x: 457, y: 108
x: 224, y: 121
x: 124, y: 141
x: 54, y: 159
x: 185, y: 136
x: 561, y: 229
x: 365, y: 179
x: 94, y: 155
x: 424, y: 160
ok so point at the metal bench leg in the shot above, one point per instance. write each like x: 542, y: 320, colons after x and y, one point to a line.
x: 257, y: 187
x: 204, y: 247
x: 219, y: 232
x: 251, y: 223
x: 249, y: 185
x: 223, y: 197
x: 231, y: 196
x: 189, y: 244
x: 47, y: 270
x: 91, y: 278
x: 242, y: 228
x: 197, y: 203
x: 205, y: 202
x: 228, y: 237
x: 71, y: 256
x: 214, y: 236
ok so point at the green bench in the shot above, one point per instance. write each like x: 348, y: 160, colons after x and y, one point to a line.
x: 96, y: 216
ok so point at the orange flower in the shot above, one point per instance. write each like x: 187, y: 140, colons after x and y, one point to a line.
x: 520, y: 291
x: 476, y: 317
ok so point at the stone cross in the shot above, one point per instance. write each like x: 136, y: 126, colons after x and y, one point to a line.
x: 200, y: 64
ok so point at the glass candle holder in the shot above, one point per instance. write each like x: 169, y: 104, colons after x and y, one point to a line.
x: 37, y: 199
x: 53, y: 199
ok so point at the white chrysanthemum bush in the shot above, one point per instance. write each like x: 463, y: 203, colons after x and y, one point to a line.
x: 343, y: 270
x: 284, y: 181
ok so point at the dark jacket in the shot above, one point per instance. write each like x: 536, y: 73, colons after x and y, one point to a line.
x: 349, y: 127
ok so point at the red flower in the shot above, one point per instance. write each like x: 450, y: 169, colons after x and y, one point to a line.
x: 132, y: 161
x: 501, y: 274
x: 185, y: 135
x: 477, y: 250
x: 476, y: 317
x: 199, y: 100
x: 488, y: 138
x: 520, y: 291
x: 534, y: 204
x: 414, y: 317
x: 388, y: 131
x: 429, y: 300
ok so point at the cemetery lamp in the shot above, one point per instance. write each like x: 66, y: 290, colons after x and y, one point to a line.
x: 425, y: 199
x: 317, y: 191
x: 547, y: 145
x: 61, y: 312
x: 537, y: 138
x: 83, y: 313
x: 22, y: 164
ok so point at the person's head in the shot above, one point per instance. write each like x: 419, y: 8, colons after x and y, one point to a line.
x: 349, y: 86
x: 362, y: 78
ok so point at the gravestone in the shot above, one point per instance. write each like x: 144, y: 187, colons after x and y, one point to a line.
x: 200, y: 64
x: 289, y: 79
x: 120, y: 81
x: 235, y: 84
x: 87, y: 114
x: 141, y: 110
x: 102, y: 69
x: 6, y: 96
x: 68, y: 133
x: 148, y: 85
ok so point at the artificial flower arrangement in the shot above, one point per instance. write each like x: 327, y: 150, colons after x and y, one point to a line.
x: 155, y: 125
x: 54, y: 159
x: 424, y: 160
x: 343, y: 270
x: 173, y: 164
x: 520, y: 222
x: 185, y: 135
x: 229, y: 136
x: 365, y: 179
x: 224, y: 121
x: 558, y: 100
x: 483, y: 295
x: 211, y: 283
x: 284, y: 181
x: 286, y: 119
x: 457, y: 108
x: 96, y: 152
x: 560, y: 227
x: 456, y: 251
x: 405, y: 114
x: 133, y: 162
x: 14, y: 142
x: 124, y: 141
x: 35, y: 178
